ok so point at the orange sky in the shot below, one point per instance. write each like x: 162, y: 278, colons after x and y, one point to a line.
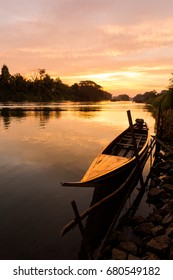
x: 126, y: 46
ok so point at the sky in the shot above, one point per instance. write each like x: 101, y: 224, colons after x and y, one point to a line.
x: 126, y: 46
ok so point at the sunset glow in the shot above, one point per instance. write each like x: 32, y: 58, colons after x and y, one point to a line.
x: 124, y: 46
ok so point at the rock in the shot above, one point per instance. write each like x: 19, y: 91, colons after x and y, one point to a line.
x: 118, y: 254
x: 157, y: 230
x: 169, y: 230
x: 167, y: 219
x: 168, y: 187
x: 165, y: 167
x: 170, y: 172
x: 167, y: 208
x: 159, y: 245
x: 137, y: 220
x: 116, y: 237
x: 168, y: 179
x: 143, y: 229
x: 170, y: 160
x: 142, y: 247
x: 156, y: 170
x: 129, y: 247
x: 153, y: 184
x: 161, y: 154
x: 161, y: 178
x: 156, y: 195
x: 150, y: 256
x: 154, y: 218
x: 132, y: 257
x: 168, y: 155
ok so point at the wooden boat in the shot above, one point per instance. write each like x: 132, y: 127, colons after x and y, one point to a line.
x: 118, y: 158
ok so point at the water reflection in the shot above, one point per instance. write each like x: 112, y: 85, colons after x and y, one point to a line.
x: 86, y: 113
x: 46, y: 111
x: 100, y: 111
x: 44, y: 114
x: 7, y: 114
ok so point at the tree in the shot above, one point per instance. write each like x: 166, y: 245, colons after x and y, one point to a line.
x: 41, y: 87
x: 168, y: 102
x: 5, y: 76
x: 90, y: 84
x: 90, y: 91
x: 146, y: 97
x: 121, y: 97
x: 42, y: 73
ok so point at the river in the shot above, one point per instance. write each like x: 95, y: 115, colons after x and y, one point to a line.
x: 42, y: 145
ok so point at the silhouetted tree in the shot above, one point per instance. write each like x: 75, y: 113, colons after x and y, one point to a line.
x: 41, y: 87
x: 5, y: 76
x: 140, y: 98
x: 121, y: 97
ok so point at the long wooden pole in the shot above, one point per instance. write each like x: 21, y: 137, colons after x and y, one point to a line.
x: 81, y: 228
x: 159, y: 121
x: 132, y: 133
x: 135, y: 147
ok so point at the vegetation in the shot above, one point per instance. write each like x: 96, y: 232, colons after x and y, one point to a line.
x: 121, y: 97
x: 147, y: 97
x: 167, y: 100
x: 42, y: 87
x: 167, y: 125
x: 164, y: 100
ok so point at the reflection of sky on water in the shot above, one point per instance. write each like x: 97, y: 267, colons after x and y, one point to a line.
x: 34, y: 161
x: 103, y: 112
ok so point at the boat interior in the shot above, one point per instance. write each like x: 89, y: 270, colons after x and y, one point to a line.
x: 124, y: 146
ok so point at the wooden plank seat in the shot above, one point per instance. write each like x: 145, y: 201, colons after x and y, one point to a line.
x: 121, y: 153
x: 124, y: 144
x: 129, y: 153
x: 136, y: 134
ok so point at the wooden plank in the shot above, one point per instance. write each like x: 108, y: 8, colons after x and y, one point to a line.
x: 129, y: 154
x: 135, y: 148
x: 124, y: 144
x: 122, y: 152
x: 137, y: 134
x: 127, y: 138
x: 104, y: 164
x: 81, y: 228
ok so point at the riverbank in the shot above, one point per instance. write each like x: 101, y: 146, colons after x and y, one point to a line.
x: 150, y: 237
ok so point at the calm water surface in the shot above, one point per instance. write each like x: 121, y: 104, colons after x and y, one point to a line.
x: 41, y: 146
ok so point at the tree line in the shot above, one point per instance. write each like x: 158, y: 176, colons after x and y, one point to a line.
x: 43, y: 88
x: 163, y: 98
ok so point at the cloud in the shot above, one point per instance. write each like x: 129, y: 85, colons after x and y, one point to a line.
x: 94, y: 37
